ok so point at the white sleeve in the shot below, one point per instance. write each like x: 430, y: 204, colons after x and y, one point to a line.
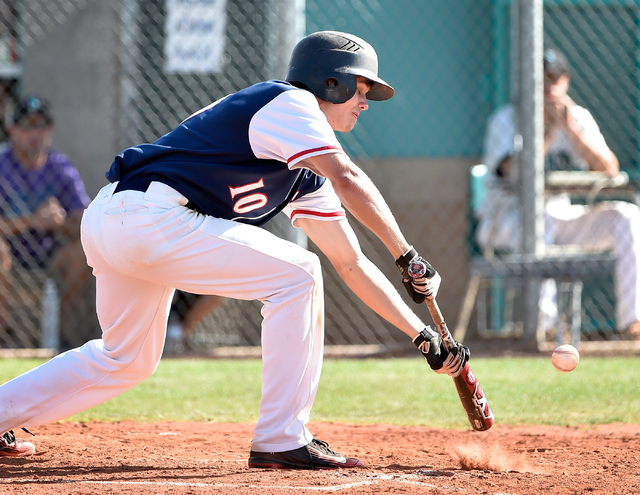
x: 290, y: 128
x: 592, y: 131
x: 562, y: 143
x: 498, y: 140
x: 321, y: 204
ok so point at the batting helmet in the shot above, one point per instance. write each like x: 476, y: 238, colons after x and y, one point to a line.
x: 327, y: 63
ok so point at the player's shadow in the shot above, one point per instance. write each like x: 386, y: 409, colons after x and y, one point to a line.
x: 28, y: 471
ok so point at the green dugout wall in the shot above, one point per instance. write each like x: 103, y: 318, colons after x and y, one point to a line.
x: 449, y: 62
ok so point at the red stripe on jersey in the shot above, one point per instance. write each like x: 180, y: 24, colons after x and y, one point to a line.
x: 318, y: 213
x: 314, y: 150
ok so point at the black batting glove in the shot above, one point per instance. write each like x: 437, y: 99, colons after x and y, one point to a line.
x: 422, y: 286
x: 441, y: 361
x: 429, y: 343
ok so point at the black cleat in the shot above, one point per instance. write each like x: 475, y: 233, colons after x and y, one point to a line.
x: 315, y: 455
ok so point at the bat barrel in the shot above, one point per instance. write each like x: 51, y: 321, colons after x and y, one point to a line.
x: 471, y: 395
x: 473, y: 400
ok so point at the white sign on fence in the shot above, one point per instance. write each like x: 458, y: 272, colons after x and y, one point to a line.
x: 195, y: 35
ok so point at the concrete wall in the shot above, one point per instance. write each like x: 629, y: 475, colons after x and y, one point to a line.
x: 75, y: 67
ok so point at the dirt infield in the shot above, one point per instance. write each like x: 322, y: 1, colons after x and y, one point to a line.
x: 193, y: 458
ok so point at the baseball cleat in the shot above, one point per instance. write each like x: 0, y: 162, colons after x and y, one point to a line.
x: 315, y: 455
x: 10, y: 447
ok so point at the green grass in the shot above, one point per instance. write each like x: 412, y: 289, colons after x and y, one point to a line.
x: 394, y: 391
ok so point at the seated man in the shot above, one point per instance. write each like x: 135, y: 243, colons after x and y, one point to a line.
x: 42, y: 198
x: 572, y: 141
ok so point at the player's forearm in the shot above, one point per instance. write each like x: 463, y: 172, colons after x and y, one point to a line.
x: 361, y: 197
x: 337, y: 240
x: 376, y: 291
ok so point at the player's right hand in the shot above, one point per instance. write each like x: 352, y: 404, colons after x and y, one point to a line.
x: 420, y: 287
x: 439, y: 358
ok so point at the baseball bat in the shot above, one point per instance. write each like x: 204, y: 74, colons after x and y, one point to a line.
x: 471, y: 395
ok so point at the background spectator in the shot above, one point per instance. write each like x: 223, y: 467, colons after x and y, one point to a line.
x: 573, y: 141
x: 42, y: 197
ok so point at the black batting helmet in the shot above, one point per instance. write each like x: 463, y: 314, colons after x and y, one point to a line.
x: 327, y: 63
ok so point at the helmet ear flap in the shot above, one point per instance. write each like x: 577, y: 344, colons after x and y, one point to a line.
x: 330, y: 83
x: 338, y: 88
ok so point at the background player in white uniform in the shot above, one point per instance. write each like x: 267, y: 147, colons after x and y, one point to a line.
x: 182, y: 213
x: 573, y: 141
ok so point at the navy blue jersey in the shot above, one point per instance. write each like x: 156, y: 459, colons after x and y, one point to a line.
x: 234, y: 159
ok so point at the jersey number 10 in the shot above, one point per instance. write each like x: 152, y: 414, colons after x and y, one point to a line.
x: 251, y: 202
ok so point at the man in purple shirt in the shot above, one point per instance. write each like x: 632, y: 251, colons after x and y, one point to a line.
x: 42, y: 198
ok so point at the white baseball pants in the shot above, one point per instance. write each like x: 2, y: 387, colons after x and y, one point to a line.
x: 143, y: 245
x: 613, y: 225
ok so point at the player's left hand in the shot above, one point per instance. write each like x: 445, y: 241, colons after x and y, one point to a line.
x: 420, y: 288
x: 455, y: 361
x: 439, y: 358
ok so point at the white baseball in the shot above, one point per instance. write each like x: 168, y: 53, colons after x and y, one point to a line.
x: 565, y: 358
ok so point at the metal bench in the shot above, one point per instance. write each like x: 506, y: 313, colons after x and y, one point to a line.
x: 567, y: 265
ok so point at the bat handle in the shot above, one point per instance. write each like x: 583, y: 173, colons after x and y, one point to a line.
x: 421, y: 268
x: 436, y: 314
x: 441, y: 325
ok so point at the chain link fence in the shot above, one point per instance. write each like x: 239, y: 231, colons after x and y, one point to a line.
x: 588, y: 130
x: 139, y: 67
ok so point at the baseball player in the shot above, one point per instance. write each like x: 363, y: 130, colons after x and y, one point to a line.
x: 183, y: 212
